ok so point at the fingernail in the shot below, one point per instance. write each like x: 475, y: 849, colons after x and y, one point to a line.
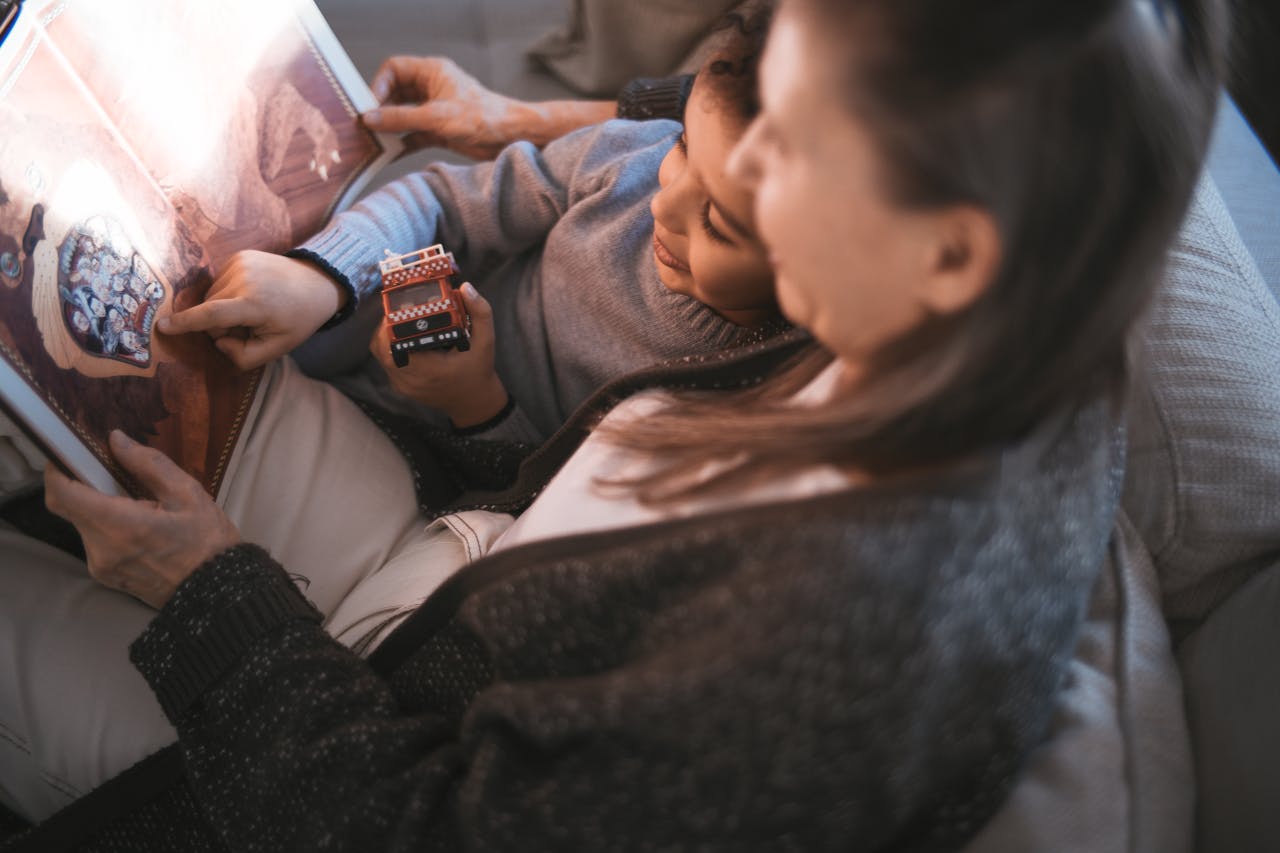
x: 468, y: 290
x: 372, y: 116
x: 163, y: 324
x: 380, y: 88
x: 120, y: 438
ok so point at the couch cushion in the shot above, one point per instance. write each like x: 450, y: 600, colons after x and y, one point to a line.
x: 1115, y: 773
x: 21, y: 462
x: 1203, y: 481
x: 1233, y: 707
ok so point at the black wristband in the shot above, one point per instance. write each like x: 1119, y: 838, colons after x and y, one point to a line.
x: 502, y: 415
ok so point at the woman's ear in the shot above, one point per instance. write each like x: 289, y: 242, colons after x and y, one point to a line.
x: 964, y: 258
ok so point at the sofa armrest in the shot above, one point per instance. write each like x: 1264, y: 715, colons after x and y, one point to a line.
x: 1232, y: 688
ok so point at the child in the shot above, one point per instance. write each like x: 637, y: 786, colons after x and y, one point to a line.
x: 583, y: 272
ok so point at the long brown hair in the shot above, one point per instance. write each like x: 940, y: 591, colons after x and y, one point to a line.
x: 1080, y: 127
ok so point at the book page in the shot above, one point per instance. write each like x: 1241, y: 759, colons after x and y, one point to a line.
x: 91, y: 254
x: 232, y: 108
x: 145, y: 142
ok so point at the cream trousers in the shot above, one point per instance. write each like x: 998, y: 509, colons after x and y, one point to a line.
x: 318, y: 486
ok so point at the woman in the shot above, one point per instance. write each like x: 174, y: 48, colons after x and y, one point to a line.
x: 829, y: 612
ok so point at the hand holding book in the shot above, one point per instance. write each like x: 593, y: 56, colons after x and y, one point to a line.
x: 143, y: 547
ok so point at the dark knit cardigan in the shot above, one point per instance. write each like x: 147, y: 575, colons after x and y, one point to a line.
x: 865, y: 670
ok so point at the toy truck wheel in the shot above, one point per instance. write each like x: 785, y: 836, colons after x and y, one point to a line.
x: 464, y: 344
x: 400, y: 357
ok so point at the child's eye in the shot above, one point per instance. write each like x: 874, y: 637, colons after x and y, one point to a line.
x: 682, y: 143
x: 713, y: 232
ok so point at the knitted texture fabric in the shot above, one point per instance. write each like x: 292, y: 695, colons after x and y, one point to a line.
x: 1205, y: 419
x: 868, y: 668
x: 655, y: 97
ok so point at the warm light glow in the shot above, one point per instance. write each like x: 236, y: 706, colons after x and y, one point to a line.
x: 169, y: 106
x: 86, y: 190
x: 87, y: 195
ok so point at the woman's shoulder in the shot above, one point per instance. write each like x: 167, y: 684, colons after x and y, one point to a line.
x: 1016, y: 524
x: 924, y: 622
x: 1065, y: 471
x: 1039, y: 509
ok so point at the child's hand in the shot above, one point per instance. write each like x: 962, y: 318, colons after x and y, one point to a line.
x: 463, y: 385
x: 261, y: 307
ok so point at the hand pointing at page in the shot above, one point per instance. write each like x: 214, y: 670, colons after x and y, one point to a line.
x: 261, y: 307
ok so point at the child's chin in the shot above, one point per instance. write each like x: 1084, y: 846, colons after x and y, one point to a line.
x: 674, y: 281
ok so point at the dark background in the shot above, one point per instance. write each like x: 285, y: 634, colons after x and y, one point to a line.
x: 1254, y: 79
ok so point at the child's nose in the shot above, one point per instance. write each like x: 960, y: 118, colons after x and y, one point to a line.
x: 676, y: 202
x: 665, y: 208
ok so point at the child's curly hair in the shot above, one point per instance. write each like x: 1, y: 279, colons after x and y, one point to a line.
x: 732, y: 72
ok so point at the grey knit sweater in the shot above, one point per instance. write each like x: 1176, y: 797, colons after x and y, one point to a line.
x: 560, y: 242
x: 864, y: 670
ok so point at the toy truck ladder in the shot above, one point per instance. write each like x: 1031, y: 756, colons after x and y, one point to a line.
x: 426, y: 264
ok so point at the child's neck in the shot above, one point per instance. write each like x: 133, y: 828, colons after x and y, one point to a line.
x: 748, y: 317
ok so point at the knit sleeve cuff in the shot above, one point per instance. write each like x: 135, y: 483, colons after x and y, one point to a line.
x: 351, y: 261
x: 216, y: 614
x: 349, y: 307
x: 511, y: 424
x: 491, y: 423
x: 655, y: 97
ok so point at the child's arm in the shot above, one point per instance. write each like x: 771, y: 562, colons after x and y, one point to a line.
x: 261, y: 307
x: 485, y: 213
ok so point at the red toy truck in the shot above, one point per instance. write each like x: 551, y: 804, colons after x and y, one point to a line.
x: 422, y: 308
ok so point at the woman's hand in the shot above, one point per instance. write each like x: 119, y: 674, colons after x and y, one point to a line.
x: 436, y: 103
x: 144, y: 548
x: 463, y: 385
x: 261, y: 307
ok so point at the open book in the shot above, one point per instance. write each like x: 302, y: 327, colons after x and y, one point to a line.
x: 144, y: 142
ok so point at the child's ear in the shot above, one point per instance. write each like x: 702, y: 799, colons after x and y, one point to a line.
x: 963, y: 259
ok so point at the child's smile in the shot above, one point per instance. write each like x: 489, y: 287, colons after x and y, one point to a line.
x: 703, y: 243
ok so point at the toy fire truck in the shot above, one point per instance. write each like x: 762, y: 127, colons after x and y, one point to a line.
x: 423, y: 310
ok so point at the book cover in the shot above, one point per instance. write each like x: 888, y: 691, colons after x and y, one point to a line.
x: 144, y: 142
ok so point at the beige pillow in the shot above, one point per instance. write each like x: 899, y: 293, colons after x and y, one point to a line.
x: 1115, y: 773
x: 1203, y: 479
